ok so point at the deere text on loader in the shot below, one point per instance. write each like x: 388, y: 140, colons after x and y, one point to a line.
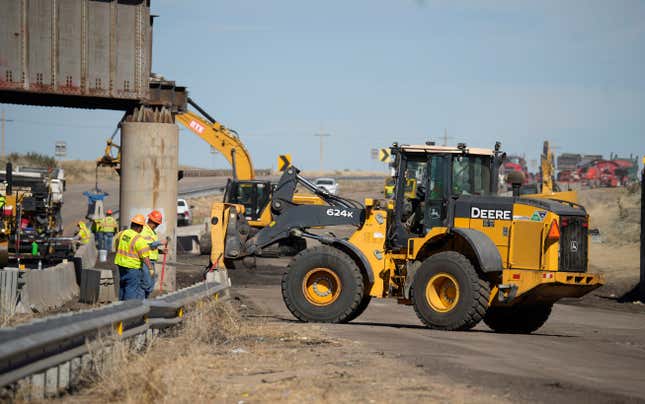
x: 455, y: 251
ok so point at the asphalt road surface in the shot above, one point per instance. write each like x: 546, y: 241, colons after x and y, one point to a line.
x: 582, y: 354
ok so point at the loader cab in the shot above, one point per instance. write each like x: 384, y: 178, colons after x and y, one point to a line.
x: 253, y: 194
x: 443, y: 175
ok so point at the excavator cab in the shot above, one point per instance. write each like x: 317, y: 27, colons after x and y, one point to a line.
x: 254, y: 195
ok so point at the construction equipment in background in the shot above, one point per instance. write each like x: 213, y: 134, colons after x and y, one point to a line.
x: 30, y: 216
x: 456, y: 252
x: 594, y: 171
x: 547, y: 187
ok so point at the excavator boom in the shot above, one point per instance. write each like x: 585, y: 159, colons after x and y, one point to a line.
x: 220, y: 138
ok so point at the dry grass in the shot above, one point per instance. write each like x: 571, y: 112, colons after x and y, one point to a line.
x: 221, y: 355
x: 84, y: 172
x: 338, y: 174
x: 202, y: 207
x: 615, y: 212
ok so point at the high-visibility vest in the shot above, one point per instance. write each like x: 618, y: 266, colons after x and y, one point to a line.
x: 108, y: 225
x: 131, y: 249
x: 150, y: 236
x: 83, y: 233
x: 96, y: 225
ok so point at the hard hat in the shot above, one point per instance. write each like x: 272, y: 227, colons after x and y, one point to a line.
x: 155, y: 216
x: 109, y: 211
x: 139, y: 219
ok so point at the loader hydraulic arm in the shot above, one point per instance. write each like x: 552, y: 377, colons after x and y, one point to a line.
x: 224, y: 140
x: 290, y: 218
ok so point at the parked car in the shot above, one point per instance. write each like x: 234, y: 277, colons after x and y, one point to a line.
x: 328, y: 184
x: 183, y: 213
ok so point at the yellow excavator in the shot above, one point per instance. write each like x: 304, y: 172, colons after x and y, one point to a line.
x: 455, y: 251
x: 243, y: 188
x: 547, y: 187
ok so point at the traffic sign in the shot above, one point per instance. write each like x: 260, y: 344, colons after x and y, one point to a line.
x: 284, y: 161
x: 60, y: 149
x: 384, y: 155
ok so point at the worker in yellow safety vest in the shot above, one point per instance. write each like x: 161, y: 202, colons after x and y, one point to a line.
x: 149, y: 233
x: 82, y: 233
x: 108, y: 227
x: 96, y: 229
x: 132, y: 257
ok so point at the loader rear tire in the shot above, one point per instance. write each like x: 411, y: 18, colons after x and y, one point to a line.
x: 448, y: 294
x: 521, y: 319
x: 323, y: 284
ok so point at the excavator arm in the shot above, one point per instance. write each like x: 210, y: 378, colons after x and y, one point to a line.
x: 224, y: 140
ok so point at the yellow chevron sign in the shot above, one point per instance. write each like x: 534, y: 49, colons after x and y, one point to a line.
x: 384, y: 155
x: 284, y: 161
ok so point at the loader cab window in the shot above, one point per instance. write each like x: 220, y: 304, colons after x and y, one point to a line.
x: 414, y: 194
x: 471, y: 175
x: 253, y: 195
x: 435, y: 213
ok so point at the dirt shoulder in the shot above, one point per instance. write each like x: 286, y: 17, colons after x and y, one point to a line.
x: 236, y: 352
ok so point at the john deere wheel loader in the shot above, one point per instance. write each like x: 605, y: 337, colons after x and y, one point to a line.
x: 454, y: 251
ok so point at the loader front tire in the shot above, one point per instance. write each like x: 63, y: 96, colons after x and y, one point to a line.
x: 448, y: 294
x: 324, y: 285
x: 520, y: 319
x: 361, y: 308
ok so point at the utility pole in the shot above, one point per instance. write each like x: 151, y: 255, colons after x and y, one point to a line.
x: 3, y: 119
x: 321, y: 136
x: 446, y: 137
x: 642, y: 255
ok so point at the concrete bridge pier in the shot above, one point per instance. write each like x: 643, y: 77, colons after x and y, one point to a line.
x: 149, y: 163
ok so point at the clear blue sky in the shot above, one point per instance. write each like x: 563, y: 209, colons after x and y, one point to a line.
x: 373, y: 71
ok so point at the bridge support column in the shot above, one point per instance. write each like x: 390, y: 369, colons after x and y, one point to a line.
x: 149, y: 161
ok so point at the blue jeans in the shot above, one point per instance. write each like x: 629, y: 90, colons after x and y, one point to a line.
x: 130, y: 284
x: 99, y: 240
x: 148, y: 282
x: 107, y: 241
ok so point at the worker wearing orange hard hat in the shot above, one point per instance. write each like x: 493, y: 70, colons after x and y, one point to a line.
x: 132, y: 257
x: 107, y: 229
x: 149, y: 233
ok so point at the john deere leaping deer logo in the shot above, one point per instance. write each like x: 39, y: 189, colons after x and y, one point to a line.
x: 574, y: 246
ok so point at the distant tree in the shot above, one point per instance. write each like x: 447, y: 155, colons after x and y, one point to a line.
x: 32, y: 159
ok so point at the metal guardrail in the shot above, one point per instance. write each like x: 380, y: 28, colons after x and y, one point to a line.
x: 204, y: 191
x: 46, y: 354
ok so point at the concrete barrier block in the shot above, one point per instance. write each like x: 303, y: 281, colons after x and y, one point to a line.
x: 49, y: 288
x: 88, y: 254
x: 188, y: 244
x: 219, y: 276
x: 99, y: 286
x: 8, y: 291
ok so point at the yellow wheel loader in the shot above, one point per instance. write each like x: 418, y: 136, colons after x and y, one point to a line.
x: 455, y: 251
